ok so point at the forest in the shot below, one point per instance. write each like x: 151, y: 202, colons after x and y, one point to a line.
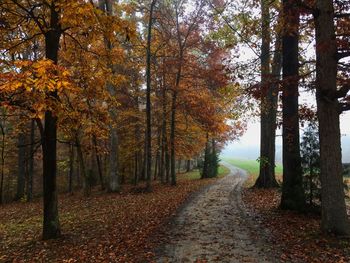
x: 114, y: 114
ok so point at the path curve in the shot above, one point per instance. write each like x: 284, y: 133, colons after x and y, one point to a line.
x: 214, y: 227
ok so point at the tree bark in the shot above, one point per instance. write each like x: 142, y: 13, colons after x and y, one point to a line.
x: 86, y: 179
x: 164, y: 149
x: 173, y: 117
x: 188, y: 166
x: 148, y: 101
x: 31, y: 162
x: 114, y: 184
x: 334, y: 216
x: 205, y: 171
x: 268, y: 106
x: 172, y: 138
x: 51, y: 227
x: 2, y: 162
x: 21, y: 176
x: 98, y: 162
x: 136, y: 169
x: 167, y: 163
x: 71, y: 168
x: 293, y: 196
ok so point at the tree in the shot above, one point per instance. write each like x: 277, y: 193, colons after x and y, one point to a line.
x: 293, y: 197
x: 334, y: 216
x: 310, y: 159
x: 114, y: 184
x: 148, y: 100
x: 21, y: 176
x: 268, y: 104
x: 183, y: 33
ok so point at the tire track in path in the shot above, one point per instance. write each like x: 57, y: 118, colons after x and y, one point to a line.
x: 214, y: 226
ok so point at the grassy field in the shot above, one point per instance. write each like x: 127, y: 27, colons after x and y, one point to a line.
x: 195, y: 174
x: 252, y: 167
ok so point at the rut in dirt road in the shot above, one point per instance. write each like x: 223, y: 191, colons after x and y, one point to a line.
x: 214, y: 227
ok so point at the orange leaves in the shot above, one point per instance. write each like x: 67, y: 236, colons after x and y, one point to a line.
x: 76, y: 13
x: 39, y: 76
x: 104, y: 228
x: 29, y: 84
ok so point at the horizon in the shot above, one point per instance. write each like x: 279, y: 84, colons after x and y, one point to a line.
x: 248, y: 146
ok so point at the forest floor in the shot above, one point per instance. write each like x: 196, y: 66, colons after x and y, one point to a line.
x: 294, y: 237
x: 101, y: 228
x: 212, y: 220
x: 214, y: 227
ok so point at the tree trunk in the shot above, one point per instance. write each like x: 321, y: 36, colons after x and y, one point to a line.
x: 98, y: 162
x: 293, y: 196
x: 136, y: 170
x: 179, y: 163
x: 188, y: 166
x: 148, y: 101
x: 205, y: 171
x: 21, y: 176
x: 167, y: 164
x: 71, y: 168
x: 51, y: 227
x: 114, y: 184
x: 164, y: 148
x: 172, y: 139
x: 173, y: 116
x: 334, y: 216
x: 2, y: 162
x: 159, y: 148
x: 31, y: 162
x: 268, y: 106
x: 86, y: 179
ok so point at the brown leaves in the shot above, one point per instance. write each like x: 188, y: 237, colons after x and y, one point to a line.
x: 103, y: 228
x: 294, y: 237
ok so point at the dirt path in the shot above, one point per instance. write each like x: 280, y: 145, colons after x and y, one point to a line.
x: 214, y: 227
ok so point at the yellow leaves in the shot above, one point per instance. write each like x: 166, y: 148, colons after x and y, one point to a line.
x: 77, y: 13
x: 30, y: 84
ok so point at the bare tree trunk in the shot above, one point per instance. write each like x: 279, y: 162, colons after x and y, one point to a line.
x: 114, y: 184
x: 51, y: 228
x: 172, y: 138
x: 173, y: 119
x: 144, y: 163
x: 148, y: 101
x: 138, y: 152
x: 293, y: 196
x: 205, y: 171
x: 334, y: 216
x: 179, y: 166
x: 71, y: 168
x: 98, y: 162
x: 86, y: 180
x: 167, y: 164
x: 268, y: 106
x: 164, y: 148
x: 2, y: 162
x: 188, y: 166
x: 21, y: 176
x: 136, y: 168
x: 31, y: 162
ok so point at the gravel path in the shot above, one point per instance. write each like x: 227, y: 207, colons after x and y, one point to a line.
x: 214, y: 227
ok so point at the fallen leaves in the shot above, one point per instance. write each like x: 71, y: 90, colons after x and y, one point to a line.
x: 294, y: 237
x: 102, y: 228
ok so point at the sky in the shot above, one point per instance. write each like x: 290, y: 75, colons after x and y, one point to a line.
x: 248, y: 145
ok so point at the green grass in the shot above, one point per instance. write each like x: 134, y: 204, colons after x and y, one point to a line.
x: 251, y: 166
x: 195, y: 174
x: 223, y: 171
